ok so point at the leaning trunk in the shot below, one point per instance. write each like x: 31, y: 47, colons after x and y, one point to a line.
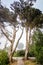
x: 26, y: 51
x: 10, y: 55
x: 11, y: 47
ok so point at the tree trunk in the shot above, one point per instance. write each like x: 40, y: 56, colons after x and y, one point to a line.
x: 17, y: 42
x: 26, y: 51
x: 29, y: 41
x: 11, y: 49
x: 10, y: 55
x: 10, y: 58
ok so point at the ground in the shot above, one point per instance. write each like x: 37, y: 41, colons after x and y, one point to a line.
x: 29, y: 62
x: 24, y: 62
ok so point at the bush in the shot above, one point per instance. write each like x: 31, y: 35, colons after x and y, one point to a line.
x: 38, y: 41
x: 31, y: 50
x: 41, y: 56
x: 19, y: 53
x: 3, y: 58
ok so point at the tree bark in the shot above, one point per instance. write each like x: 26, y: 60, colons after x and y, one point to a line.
x: 29, y: 41
x: 26, y: 51
x: 11, y: 47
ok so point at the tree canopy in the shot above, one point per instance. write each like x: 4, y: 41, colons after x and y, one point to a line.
x: 28, y: 15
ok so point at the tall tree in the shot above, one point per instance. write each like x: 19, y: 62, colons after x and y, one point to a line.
x: 29, y: 17
x: 11, y: 19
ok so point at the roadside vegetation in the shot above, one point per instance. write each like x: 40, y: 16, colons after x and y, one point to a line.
x: 4, y: 60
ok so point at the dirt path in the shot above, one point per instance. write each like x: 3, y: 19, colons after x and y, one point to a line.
x: 20, y: 62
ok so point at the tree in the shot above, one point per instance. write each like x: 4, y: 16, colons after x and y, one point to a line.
x: 11, y: 19
x: 7, y: 35
x: 29, y: 17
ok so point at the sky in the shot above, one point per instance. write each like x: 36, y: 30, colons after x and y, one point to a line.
x: 38, y: 4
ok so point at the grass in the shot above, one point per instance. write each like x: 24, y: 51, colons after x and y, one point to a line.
x: 29, y: 62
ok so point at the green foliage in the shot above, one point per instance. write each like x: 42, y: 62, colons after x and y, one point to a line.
x: 38, y: 41
x: 19, y: 53
x: 29, y: 16
x: 3, y: 58
x: 39, y: 56
x: 31, y: 50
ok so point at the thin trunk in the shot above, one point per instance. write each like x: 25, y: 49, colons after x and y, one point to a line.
x: 10, y: 57
x: 26, y: 51
x: 17, y: 42
x: 29, y: 36
x: 29, y: 40
x: 11, y: 47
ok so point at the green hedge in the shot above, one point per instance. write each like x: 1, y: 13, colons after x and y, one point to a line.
x: 3, y: 58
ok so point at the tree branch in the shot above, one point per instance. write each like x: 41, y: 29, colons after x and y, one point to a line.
x: 5, y: 35
x: 3, y: 29
x: 13, y: 39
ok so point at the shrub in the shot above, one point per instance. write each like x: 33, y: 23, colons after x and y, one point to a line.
x: 3, y: 58
x: 39, y: 55
x: 38, y: 41
x: 19, y: 53
x: 31, y: 50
